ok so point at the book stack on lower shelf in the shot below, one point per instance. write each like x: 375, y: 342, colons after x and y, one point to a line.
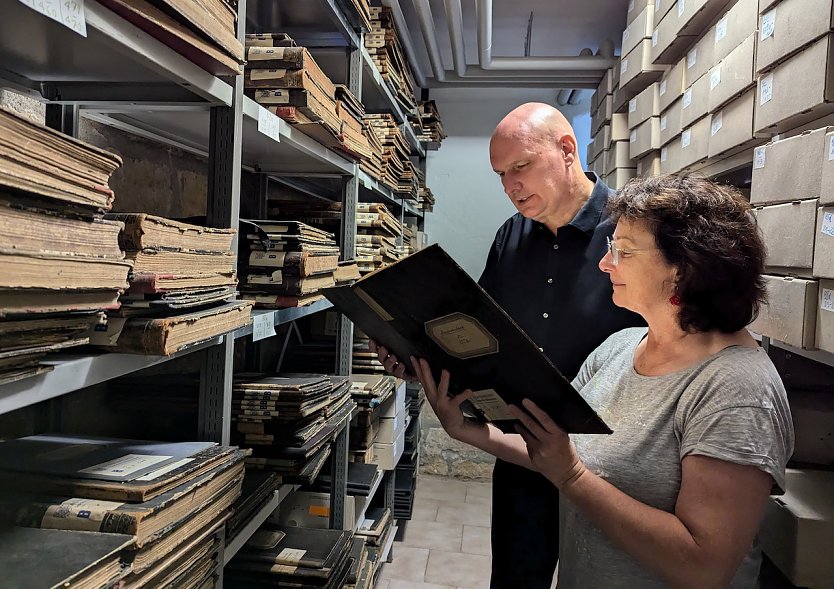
x: 60, y: 261
x: 398, y: 172
x: 289, y: 421
x: 383, y: 43
x: 286, y: 263
x: 378, y: 428
x: 406, y: 471
x: 288, y: 556
x: 376, y: 238
x: 169, y: 499
x: 182, y: 287
x: 258, y: 489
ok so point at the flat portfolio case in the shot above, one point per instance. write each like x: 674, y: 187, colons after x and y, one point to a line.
x: 454, y: 324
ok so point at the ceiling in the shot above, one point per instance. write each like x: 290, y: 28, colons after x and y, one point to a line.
x: 559, y: 28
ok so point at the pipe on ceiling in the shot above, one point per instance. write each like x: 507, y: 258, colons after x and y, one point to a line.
x: 454, y: 17
x: 562, y: 96
x: 424, y: 16
x: 405, y: 39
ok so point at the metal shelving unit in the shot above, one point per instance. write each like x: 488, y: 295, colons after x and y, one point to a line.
x: 816, y: 355
x: 236, y: 543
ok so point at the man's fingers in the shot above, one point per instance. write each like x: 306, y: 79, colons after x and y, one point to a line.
x: 529, y: 423
x: 543, y: 418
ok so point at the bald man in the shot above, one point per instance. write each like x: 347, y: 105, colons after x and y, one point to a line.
x: 542, y: 269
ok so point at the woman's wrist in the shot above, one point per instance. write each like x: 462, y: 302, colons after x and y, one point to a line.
x: 567, y: 479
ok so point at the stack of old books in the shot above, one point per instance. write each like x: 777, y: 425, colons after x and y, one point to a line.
x: 377, y: 526
x: 369, y: 392
x: 182, y: 287
x: 376, y: 238
x: 374, y: 166
x: 286, y: 263
x: 399, y: 173
x: 386, y: 51
x: 427, y: 123
x: 289, y: 421
x: 364, y: 361
x: 405, y: 481
x: 258, y: 489
x: 354, y: 135
x: 60, y: 261
x: 171, y: 499
x: 288, y: 556
x: 425, y: 199
x: 204, y: 32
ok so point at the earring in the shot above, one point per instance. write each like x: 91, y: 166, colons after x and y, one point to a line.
x: 675, y: 300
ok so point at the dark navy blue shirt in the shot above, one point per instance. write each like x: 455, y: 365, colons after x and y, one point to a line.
x: 551, y: 285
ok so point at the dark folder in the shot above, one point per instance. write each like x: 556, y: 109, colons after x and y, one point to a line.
x: 427, y: 306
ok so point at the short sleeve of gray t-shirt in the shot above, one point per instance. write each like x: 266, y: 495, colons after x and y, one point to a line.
x: 731, y: 406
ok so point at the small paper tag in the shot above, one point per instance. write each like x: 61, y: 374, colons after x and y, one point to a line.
x: 291, y: 555
x: 662, y: 87
x: 626, y: 35
x: 681, y: 8
x: 827, y: 300
x: 624, y: 66
x: 720, y: 30
x: 491, y: 404
x: 759, y: 157
x: 263, y: 326
x: 715, y: 127
x: 765, y: 89
x: 828, y: 224
x: 831, y: 149
x: 768, y: 25
x: 654, y: 38
x: 632, y: 105
x: 663, y: 153
x: 125, y: 466
x: 715, y: 78
x: 69, y: 13
x: 269, y: 124
x: 78, y: 514
x: 692, y: 58
x: 663, y: 123
x: 687, y: 98
x: 686, y: 138
x: 632, y: 137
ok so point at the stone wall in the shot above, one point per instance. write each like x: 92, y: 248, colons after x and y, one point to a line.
x: 441, y: 455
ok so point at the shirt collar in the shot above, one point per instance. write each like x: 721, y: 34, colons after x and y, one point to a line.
x: 590, y: 214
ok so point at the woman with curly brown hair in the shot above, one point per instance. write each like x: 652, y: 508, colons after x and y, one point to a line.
x: 702, y: 428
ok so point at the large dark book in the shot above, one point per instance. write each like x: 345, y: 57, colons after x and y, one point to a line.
x: 456, y: 325
x: 144, y: 231
x: 314, y: 549
x: 49, y: 559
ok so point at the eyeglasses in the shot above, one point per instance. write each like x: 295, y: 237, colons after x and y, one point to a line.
x: 616, y: 251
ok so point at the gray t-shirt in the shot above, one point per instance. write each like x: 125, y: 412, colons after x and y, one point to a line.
x: 731, y: 406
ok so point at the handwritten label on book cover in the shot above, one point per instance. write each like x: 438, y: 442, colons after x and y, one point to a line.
x: 461, y: 336
x: 492, y: 405
x: 69, y: 13
x: 269, y: 124
x: 263, y: 326
x: 291, y: 555
x: 83, y: 515
x: 125, y: 466
x: 155, y: 474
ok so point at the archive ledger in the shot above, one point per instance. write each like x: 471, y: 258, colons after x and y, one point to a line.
x: 426, y: 306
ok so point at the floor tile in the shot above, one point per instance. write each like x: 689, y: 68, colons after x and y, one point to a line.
x: 424, y: 509
x: 381, y: 583
x: 480, y: 493
x: 409, y: 564
x: 474, y: 514
x: 442, y: 488
x: 395, y: 584
x: 476, y: 540
x: 469, y: 571
x: 434, y: 535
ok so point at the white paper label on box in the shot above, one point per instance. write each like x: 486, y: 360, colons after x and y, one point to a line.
x: 687, y: 98
x: 681, y: 7
x: 126, y: 465
x: 269, y: 124
x: 765, y: 89
x: 263, y: 326
x: 692, y: 58
x: 654, y: 39
x: 759, y: 158
x: 630, y: 5
x: 663, y: 123
x: 827, y: 300
x: 291, y: 555
x: 768, y: 25
x: 624, y: 66
x: 83, y: 515
x: 632, y: 137
x: 828, y: 224
x: 686, y: 138
x: 632, y: 105
x: 720, y: 30
x: 662, y: 87
x: 663, y: 153
x: 716, y: 123
x: 626, y: 35
x: 831, y: 149
x: 69, y: 13
x: 715, y: 78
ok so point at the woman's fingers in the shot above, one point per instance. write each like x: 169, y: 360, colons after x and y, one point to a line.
x: 543, y: 418
x: 529, y: 422
x: 458, y: 400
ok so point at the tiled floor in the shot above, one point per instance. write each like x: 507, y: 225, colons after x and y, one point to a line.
x: 446, y: 543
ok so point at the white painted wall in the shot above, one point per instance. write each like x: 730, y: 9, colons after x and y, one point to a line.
x: 471, y: 205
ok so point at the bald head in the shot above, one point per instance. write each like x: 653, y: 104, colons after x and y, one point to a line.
x: 534, y: 121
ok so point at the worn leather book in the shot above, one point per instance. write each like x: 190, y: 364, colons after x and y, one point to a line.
x: 277, y: 283
x: 166, y: 282
x: 294, y: 263
x: 318, y: 550
x: 278, y: 301
x: 144, y: 231
x: 181, y: 262
x: 296, y: 62
x: 56, y: 271
x: 269, y: 40
x: 51, y: 559
x: 41, y: 301
x: 213, y: 19
x: 458, y: 327
x: 172, y: 302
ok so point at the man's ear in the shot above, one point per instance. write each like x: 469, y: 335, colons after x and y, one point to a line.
x: 568, y: 149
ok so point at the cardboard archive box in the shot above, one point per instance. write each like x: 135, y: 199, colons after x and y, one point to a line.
x: 670, y: 155
x: 797, y: 529
x: 788, y: 231
x: 790, y: 314
x: 694, y: 145
x: 617, y: 157
x: 813, y: 426
x: 644, y: 138
x: 603, y: 114
x: 732, y: 75
x: 825, y: 317
x: 618, y: 178
x: 789, y: 169
x: 636, y: 69
x: 667, y: 46
x: 638, y: 29
x: 789, y: 26
x: 670, y: 122
x: 649, y: 165
x: 731, y: 128
x: 386, y: 456
x: 644, y: 105
x: 600, y: 141
x: 662, y: 8
x: 824, y: 243
x: 694, y: 102
x: 698, y: 60
x: 635, y: 8
x: 827, y: 188
x: 740, y: 21
x: 693, y: 16
x: 797, y: 91
x: 670, y: 86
